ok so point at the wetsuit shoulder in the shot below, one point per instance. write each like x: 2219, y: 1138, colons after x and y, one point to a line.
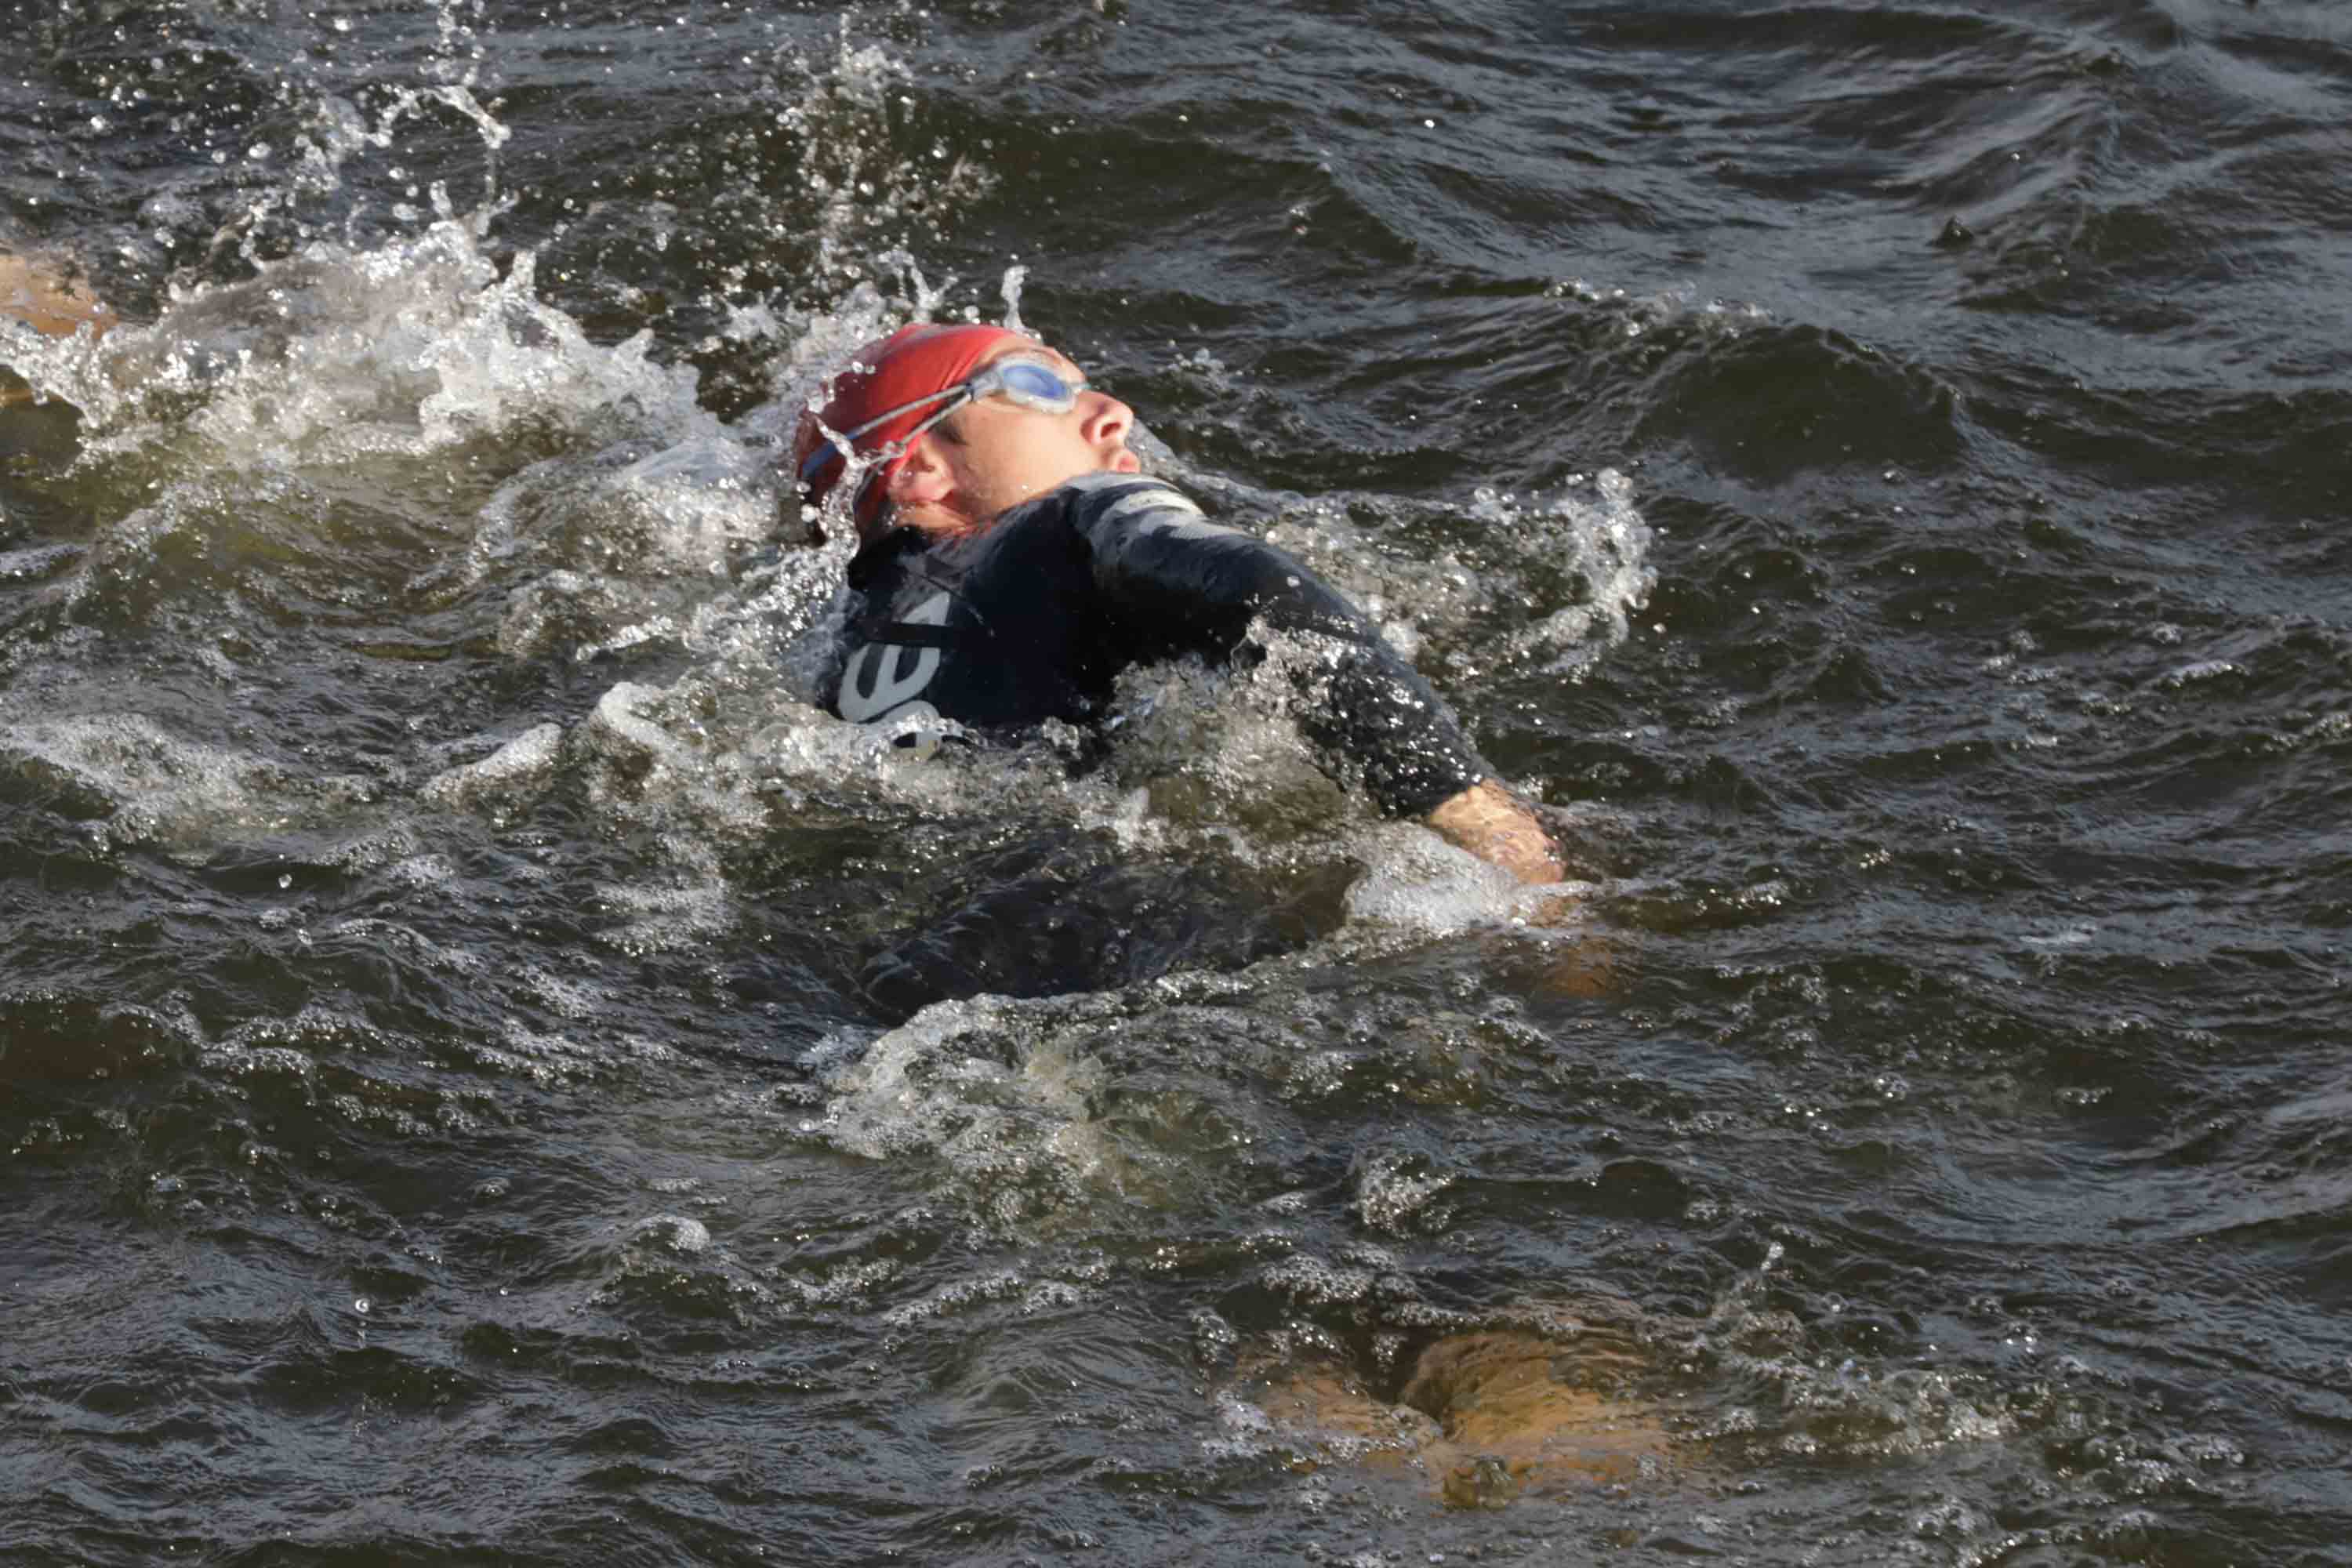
x: 1153, y: 550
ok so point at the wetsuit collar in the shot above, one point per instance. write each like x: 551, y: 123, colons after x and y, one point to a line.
x: 878, y: 553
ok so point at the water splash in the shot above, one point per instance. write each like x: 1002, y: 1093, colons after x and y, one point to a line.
x: 1593, y: 540
x: 996, y: 1088
x: 848, y: 117
x: 335, y: 356
x: 1015, y: 278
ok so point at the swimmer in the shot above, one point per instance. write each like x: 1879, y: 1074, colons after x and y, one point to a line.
x: 1014, y: 559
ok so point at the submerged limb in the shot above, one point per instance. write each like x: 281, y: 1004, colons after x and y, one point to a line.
x: 1483, y: 1417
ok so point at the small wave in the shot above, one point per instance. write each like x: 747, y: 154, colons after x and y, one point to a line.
x: 1779, y: 401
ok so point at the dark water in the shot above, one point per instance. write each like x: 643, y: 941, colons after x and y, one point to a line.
x: 1877, y: 474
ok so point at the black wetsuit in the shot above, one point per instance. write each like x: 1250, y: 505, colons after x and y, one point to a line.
x: 1034, y: 620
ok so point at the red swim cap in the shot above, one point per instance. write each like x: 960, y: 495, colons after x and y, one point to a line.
x: 911, y: 363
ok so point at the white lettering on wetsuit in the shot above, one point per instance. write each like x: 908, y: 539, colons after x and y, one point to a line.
x: 871, y: 693
x: 1165, y: 511
x: 1173, y: 515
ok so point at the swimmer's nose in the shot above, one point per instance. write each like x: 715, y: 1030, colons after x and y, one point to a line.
x: 1107, y: 421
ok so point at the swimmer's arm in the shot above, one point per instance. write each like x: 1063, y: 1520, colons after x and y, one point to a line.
x: 1495, y: 826
x: 1155, y: 553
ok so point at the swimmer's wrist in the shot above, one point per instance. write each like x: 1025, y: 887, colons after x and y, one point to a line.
x: 1494, y: 825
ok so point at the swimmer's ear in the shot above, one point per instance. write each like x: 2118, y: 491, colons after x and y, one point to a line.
x: 921, y: 477
x: 923, y: 492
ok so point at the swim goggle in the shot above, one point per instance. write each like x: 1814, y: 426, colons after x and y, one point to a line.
x: 1022, y: 379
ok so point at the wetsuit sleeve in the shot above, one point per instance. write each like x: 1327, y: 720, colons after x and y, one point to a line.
x: 1174, y: 582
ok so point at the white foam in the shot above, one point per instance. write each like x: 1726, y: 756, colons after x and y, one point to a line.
x: 567, y: 998
x: 1000, y: 1092
x: 166, y: 789
x: 681, y: 1233
x: 337, y: 356
x: 547, y: 1060
x: 1416, y: 878
x: 914, y: 1087
x: 506, y: 777
x: 1416, y: 881
x: 1394, y: 1190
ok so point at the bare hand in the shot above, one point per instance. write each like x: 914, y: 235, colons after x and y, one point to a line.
x: 1495, y: 826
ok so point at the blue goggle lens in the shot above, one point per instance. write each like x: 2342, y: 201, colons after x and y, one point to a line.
x: 1031, y: 383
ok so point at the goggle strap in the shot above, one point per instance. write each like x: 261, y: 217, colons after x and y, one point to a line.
x: 835, y: 440
x: 890, y: 450
x: 956, y: 396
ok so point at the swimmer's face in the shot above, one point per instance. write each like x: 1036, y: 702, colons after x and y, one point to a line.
x: 996, y: 453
